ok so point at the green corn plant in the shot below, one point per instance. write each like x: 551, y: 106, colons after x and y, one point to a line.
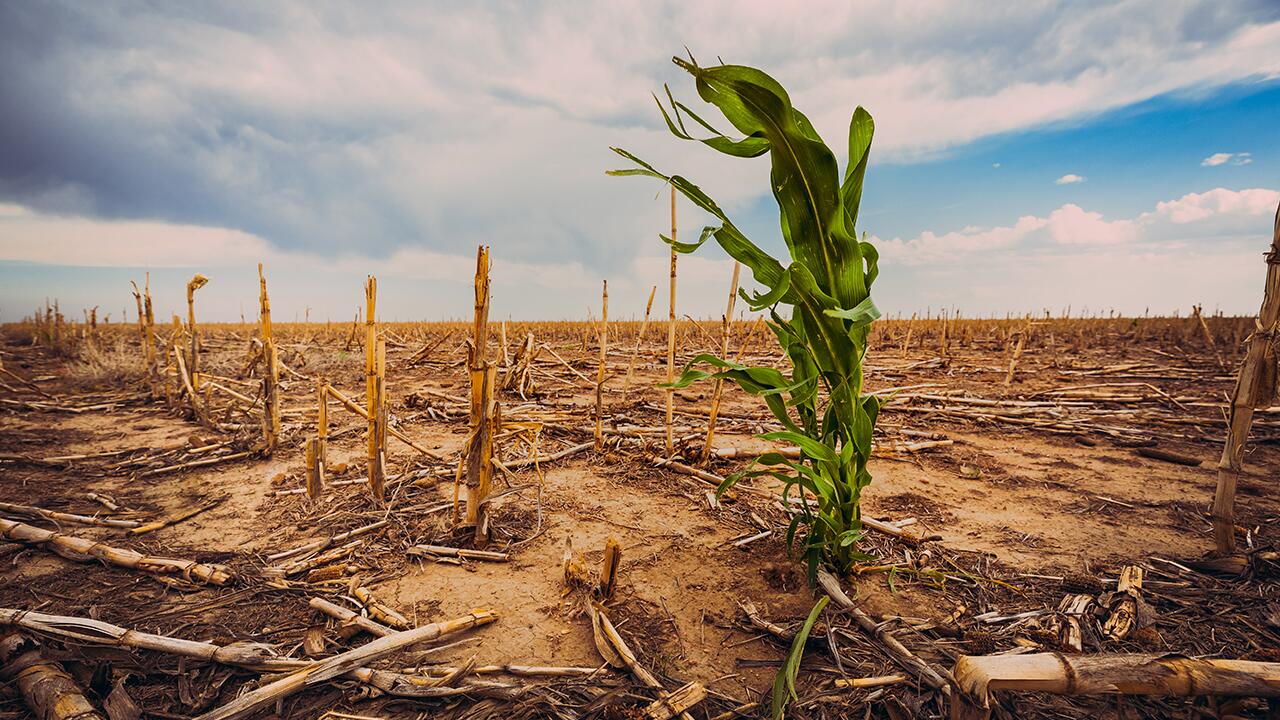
x: 826, y: 284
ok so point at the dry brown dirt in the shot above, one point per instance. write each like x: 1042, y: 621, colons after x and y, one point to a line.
x: 1018, y: 500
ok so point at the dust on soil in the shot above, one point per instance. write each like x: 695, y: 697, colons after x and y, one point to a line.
x: 1015, y: 500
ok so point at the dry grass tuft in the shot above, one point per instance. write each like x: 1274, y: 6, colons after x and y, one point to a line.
x: 99, y: 366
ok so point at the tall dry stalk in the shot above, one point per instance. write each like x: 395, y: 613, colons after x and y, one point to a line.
x: 600, y: 372
x: 147, y: 330
x: 373, y: 388
x: 193, y: 360
x: 726, y: 327
x: 484, y: 417
x: 311, y: 469
x: 1255, y: 385
x: 1198, y: 310
x: 271, y: 369
x: 1017, y: 352
x: 322, y: 429
x: 635, y: 352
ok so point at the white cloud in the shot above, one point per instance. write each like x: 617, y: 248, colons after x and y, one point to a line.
x: 421, y: 283
x: 1194, y: 207
x: 1223, y: 158
x: 1214, y: 213
x: 313, y: 126
x: 1069, y: 179
x: 1073, y: 225
x: 1156, y: 260
x: 930, y: 247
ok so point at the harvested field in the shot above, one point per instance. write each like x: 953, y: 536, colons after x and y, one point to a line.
x: 1017, y: 462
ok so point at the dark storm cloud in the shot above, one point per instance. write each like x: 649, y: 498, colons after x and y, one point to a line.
x: 333, y: 127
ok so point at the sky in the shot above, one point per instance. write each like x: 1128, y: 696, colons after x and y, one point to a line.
x: 1029, y: 156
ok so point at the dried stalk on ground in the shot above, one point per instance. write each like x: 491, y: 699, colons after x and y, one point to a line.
x: 893, y: 648
x: 978, y: 677
x: 31, y: 510
x: 255, y: 656
x: 343, y: 663
x: 81, y: 549
x: 615, y: 650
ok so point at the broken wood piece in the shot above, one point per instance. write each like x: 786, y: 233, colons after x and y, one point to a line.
x: 1170, y: 457
x: 49, y: 691
x: 745, y: 541
x: 313, y: 641
x: 342, y: 664
x: 312, y: 561
x: 1128, y: 610
x: 118, y: 704
x: 81, y: 549
x: 523, y: 462
x: 379, y: 612
x: 870, y: 682
x: 461, y: 553
x: 180, y: 517
x: 105, y: 501
x: 323, y: 543
x: 609, y: 568
x: 1074, y: 621
x: 1140, y: 674
x: 758, y: 621
x: 895, y: 531
x: 350, y: 618
x: 676, y: 702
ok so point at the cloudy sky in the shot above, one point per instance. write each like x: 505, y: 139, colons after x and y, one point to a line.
x: 1028, y: 155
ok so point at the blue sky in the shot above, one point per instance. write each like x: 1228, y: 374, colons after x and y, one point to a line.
x: 1132, y: 158
x: 1028, y: 156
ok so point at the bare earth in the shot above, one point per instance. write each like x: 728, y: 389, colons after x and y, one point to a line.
x: 1015, y: 504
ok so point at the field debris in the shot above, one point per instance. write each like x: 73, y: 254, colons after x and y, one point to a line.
x: 243, y: 535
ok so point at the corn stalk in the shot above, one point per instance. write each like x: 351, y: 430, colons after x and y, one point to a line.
x: 826, y: 285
